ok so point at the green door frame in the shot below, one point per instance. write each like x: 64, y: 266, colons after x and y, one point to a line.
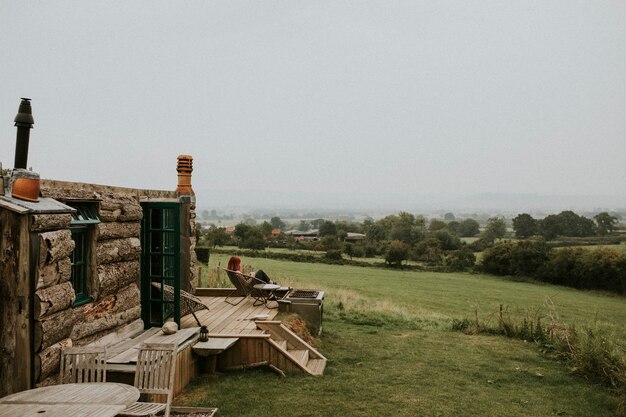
x: 160, y: 262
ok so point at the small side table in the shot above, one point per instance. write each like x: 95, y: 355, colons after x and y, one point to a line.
x: 263, y: 293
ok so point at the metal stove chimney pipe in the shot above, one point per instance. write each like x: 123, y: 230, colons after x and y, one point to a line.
x: 24, y: 122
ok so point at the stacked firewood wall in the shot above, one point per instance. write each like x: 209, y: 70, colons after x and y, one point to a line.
x: 115, y: 292
x: 113, y: 285
x: 54, y: 294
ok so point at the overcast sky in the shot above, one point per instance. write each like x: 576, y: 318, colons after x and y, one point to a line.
x: 333, y: 99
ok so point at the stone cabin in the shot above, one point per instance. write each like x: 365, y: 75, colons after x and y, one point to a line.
x: 84, y: 265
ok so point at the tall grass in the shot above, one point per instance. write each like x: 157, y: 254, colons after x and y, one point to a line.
x: 594, y: 353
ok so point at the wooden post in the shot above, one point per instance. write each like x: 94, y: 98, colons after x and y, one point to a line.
x: 199, y: 274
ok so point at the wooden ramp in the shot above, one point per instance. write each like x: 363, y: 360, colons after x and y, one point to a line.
x: 260, y: 340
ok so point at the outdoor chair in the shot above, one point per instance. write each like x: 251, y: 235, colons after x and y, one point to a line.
x: 83, y: 364
x: 244, y: 286
x: 189, y: 303
x: 154, y: 375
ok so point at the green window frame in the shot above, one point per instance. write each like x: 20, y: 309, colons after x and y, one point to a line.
x: 83, y: 221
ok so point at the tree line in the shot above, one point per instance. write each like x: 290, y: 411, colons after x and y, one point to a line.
x: 404, y: 236
x: 566, y: 223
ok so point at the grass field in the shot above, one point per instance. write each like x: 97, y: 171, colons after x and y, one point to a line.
x: 391, y: 349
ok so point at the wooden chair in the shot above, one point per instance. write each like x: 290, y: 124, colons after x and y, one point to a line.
x: 154, y: 375
x: 83, y: 364
x: 244, y: 286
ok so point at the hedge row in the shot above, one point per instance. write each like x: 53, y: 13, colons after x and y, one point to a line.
x: 331, y: 259
x: 598, y: 269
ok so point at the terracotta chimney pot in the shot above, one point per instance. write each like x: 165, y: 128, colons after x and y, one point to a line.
x: 184, y: 169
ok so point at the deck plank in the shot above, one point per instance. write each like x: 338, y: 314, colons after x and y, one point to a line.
x: 224, y: 318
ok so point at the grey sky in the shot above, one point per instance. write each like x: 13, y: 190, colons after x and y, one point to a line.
x: 372, y: 98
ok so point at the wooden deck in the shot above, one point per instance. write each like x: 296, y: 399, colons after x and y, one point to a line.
x: 260, y: 340
x: 224, y: 319
x: 240, y: 336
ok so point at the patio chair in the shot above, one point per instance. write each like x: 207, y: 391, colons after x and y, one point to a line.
x: 189, y: 303
x: 83, y: 364
x: 154, y: 375
x: 244, y: 286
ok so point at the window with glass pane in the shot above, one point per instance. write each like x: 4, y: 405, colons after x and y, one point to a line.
x: 83, y: 221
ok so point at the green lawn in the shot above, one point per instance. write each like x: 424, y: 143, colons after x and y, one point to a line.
x: 391, y: 351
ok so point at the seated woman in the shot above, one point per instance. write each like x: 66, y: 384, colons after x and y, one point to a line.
x: 234, y: 264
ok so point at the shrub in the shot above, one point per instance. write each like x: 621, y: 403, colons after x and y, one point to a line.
x: 599, y: 269
x: 522, y: 258
x: 333, y: 254
x: 460, y: 260
x: 398, y: 251
x: 449, y: 241
x: 203, y: 254
x: 358, y: 251
x: 497, y: 259
x: 528, y: 257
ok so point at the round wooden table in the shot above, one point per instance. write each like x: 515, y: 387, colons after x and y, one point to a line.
x: 95, y: 399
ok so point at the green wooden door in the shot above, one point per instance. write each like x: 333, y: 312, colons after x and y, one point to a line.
x: 160, y: 263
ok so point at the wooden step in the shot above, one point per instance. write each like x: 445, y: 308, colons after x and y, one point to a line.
x: 293, y: 348
x: 316, y: 366
x: 302, y: 356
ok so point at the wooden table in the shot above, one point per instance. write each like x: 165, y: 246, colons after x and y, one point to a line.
x: 100, y: 399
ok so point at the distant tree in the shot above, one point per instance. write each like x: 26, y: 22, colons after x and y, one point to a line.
x: 525, y: 226
x: 461, y: 259
x: 453, y: 226
x: 277, y: 223
x: 606, y: 223
x: 217, y: 236
x: 550, y: 227
x: 429, y: 250
x: 495, y: 229
x: 449, y: 241
x: 406, y: 227
x: 242, y: 230
x: 253, y: 239
x: 575, y: 225
x: 327, y: 228
x: 436, y: 224
x: 329, y: 242
x: 375, y: 232
x: 315, y: 224
x: 449, y: 217
x: 468, y: 228
x: 566, y: 223
x: 205, y: 214
x: 266, y: 230
x: 304, y: 226
x: 396, y: 253
x: 348, y: 249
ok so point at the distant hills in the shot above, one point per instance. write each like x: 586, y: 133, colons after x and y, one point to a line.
x: 360, y: 202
